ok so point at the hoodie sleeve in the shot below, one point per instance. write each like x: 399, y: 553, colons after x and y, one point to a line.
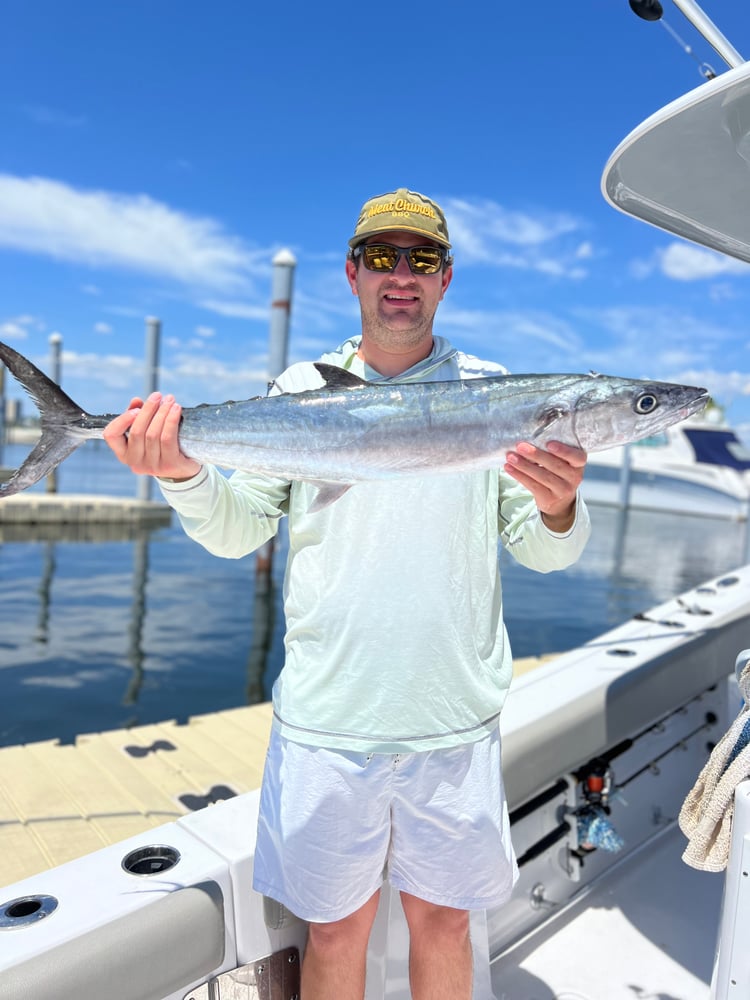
x: 232, y: 516
x: 528, y: 539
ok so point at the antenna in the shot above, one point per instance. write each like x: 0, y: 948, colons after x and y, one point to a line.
x: 652, y: 10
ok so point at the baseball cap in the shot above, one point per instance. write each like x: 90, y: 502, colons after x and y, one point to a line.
x: 401, y: 210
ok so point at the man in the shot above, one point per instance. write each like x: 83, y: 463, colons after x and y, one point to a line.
x: 385, y: 750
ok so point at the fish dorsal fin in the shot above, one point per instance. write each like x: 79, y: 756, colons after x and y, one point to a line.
x: 338, y: 378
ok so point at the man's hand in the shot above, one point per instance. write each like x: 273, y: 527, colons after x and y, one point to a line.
x: 145, y: 438
x: 552, y: 477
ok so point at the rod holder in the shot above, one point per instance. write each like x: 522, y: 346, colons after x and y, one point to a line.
x: 25, y: 911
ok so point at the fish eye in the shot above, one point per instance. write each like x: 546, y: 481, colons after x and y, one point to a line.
x: 646, y: 403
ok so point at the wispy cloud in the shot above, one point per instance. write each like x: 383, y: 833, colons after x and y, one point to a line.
x: 125, y: 231
x: 484, y: 232
x: 18, y: 327
x: 689, y: 262
x: 662, y: 343
x: 236, y: 310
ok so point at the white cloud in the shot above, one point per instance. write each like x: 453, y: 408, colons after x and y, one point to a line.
x: 13, y: 331
x: 133, y: 232
x: 664, y: 343
x: 17, y: 327
x: 483, y: 232
x: 102, y: 328
x: 489, y: 220
x: 686, y: 262
x: 526, y: 336
x: 237, y: 310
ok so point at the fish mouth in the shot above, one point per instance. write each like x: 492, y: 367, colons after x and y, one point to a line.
x: 695, y: 405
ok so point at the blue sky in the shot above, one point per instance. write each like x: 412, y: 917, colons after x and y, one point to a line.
x: 156, y: 155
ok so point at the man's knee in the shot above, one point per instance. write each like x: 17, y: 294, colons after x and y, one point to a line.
x: 352, y: 931
x: 434, y: 921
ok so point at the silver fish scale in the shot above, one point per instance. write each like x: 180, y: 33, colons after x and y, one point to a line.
x: 350, y: 430
x: 378, y: 431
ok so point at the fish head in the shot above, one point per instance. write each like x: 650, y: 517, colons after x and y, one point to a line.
x: 602, y: 411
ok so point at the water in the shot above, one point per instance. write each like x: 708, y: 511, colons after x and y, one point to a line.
x: 121, y: 631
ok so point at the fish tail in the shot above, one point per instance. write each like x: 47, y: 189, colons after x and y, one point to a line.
x: 60, y: 417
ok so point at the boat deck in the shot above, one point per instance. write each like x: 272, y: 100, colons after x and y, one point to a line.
x: 61, y: 801
x: 647, y: 928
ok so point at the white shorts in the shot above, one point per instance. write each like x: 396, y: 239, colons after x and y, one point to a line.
x: 333, y: 824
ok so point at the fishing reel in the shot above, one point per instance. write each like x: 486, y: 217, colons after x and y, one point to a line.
x: 596, y: 782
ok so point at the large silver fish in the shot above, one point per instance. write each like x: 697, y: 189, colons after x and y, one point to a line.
x: 350, y: 431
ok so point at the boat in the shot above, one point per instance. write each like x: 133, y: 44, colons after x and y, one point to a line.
x: 602, y: 746
x: 698, y: 466
x: 619, y: 727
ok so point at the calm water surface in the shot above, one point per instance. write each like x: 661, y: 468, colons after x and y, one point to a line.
x: 120, y: 631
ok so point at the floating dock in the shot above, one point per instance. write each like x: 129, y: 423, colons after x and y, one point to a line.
x: 82, y: 509
x: 61, y: 801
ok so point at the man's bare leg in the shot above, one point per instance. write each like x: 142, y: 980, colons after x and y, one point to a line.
x: 335, y: 959
x: 440, y: 959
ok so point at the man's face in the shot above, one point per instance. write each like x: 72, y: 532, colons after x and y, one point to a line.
x: 398, y: 303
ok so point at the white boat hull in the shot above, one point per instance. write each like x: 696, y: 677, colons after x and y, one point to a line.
x: 649, y: 698
x: 696, y: 467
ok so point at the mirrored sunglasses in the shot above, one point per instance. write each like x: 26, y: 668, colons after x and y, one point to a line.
x: 384, y: 258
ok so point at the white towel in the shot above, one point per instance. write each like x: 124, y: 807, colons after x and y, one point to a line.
x: 706, y: 814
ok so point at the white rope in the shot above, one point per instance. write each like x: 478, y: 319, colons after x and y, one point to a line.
x: 706, y: 814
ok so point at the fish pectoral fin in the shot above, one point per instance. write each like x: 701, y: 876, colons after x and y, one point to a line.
x: 338, y: 378
x: 326, y: 494
x: 547, y: 419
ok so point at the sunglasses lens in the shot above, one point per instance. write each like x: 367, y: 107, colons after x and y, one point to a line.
x: 425, y: 260
x: 383, y: 257
x: 380, y: 257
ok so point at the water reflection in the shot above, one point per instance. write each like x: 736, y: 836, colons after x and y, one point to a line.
x: 45, y: 590
x: 104, y: 626
x: 136, y: 654
x: 634, y: 560
x: 50, y: 536
x: 261, y: 634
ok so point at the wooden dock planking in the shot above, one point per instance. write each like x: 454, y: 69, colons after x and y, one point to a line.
x: 22, y: 851
x: 38, y: 797
x: 61, y: 801
x: 108, y: 763
x: 111, y: 811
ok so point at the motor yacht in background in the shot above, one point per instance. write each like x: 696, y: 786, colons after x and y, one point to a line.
x: 698, y: 466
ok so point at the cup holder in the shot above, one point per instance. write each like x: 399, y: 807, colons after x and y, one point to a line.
x: 26, y: 910
x: 155, y: 859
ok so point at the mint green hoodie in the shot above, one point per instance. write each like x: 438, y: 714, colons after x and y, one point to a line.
x: 395, y: 638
